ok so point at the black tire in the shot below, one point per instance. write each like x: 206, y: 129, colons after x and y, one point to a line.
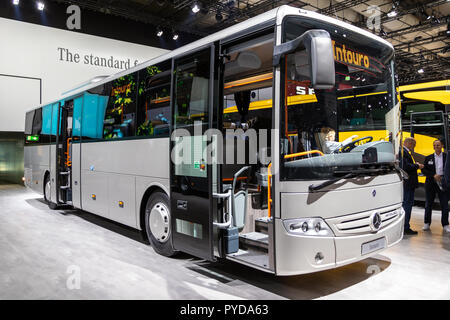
x: 163, y: 246
x: 50, y: 204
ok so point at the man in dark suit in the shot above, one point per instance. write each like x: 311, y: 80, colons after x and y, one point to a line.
x: 434, y: 184
x: 410, y: 184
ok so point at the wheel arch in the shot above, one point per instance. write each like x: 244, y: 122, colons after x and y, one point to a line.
x: 44, y: 176
x: 155, y: 187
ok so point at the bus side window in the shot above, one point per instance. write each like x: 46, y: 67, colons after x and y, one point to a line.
x: 153, y: 116
x: 46, y: 124
x: 95, y: 102
x: 28, y: 126
x: 33, y: 127
x: 120, y: 116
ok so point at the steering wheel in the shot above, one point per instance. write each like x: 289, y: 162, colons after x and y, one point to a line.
x: 352, y: 145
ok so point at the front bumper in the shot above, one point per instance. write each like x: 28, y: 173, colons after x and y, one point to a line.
x: 297, y: 254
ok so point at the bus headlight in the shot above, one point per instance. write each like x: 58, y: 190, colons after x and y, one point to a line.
x: 308, y: 227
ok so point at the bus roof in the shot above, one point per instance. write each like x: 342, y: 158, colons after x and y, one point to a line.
x: 275, y: 15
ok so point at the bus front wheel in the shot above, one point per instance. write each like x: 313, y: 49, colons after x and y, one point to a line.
x: 158, y: 225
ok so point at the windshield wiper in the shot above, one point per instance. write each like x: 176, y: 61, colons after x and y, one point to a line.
x: 347, y: 175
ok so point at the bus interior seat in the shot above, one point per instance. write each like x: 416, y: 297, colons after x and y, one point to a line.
x: 240, y: 209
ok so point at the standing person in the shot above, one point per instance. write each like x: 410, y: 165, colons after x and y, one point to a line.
x: 410, y: 184
x: 434, y: 170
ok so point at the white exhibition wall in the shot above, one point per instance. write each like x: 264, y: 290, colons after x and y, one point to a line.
x: 60, y: 59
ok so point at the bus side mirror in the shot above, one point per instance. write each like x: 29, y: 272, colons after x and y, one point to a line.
x: 319, y: 48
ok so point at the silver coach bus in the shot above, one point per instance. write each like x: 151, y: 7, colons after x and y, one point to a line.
x: 325, y: 190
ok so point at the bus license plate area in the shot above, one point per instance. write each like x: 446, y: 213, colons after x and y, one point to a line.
x: 372, y: 246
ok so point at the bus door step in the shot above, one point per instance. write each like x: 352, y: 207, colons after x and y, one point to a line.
x: 255, y: 240
x: 262, y: 225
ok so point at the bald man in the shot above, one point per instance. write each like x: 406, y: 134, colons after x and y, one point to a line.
x: 410, y: 184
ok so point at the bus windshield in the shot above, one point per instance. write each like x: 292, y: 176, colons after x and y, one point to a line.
x: 329, y: 132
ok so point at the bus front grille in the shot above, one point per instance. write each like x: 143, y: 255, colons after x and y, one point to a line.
x: 360, y: 223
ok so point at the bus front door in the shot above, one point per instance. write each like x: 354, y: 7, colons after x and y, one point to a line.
x: 63, y: 154
x: 192, y: 177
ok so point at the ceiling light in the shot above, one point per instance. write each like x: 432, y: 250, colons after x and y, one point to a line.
x: 40, y: 6
x: 435, y: 20
x: 16, y: 2
x: 175, y: 35
x: 195, y: 8
x: 420, y: 70
x: 159, y: 32
x: 392, y: 13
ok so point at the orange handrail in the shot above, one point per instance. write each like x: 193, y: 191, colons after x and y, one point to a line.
x: 68, y: 160
x: 269, y: 196
x: 304, y: 153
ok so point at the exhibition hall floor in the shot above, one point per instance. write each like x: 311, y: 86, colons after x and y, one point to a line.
x: 69, y: 254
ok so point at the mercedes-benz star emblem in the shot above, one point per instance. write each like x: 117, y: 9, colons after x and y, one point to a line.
x: 375, y: 221
x: 374, y: 193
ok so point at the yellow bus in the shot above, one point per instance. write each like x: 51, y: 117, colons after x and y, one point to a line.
x: 425, y: 116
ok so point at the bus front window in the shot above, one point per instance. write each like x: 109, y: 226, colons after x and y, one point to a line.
x: 329, y: 132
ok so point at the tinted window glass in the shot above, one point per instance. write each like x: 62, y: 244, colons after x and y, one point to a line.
x: 191, y: 94
x: 154, y: 101
x: 120, y: 116
x: 55, y: 108
x: 46, y: 124
x: 93, y: 114
x: 29, y: 122
x: 77, y: 108
x: 37, y: 122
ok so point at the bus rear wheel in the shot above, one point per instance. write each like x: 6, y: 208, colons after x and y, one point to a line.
x: 158, y: 224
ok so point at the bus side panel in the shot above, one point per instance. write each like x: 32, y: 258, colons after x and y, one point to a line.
x: 121, y: 198
x: 112, y: 169
x: 94, y: 192
x: 76, y: 175
x: 53, y: 171
x: 36, y: 163
x: 27, y: 168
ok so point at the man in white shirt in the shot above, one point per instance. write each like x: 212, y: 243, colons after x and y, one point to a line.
x: 434, y: 170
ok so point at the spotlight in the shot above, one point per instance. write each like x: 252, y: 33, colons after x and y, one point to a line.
x: 16, y: 2
x: 393, y: 12
x: 435, y: 20
x: 40, y: 6
x: 219, y: 16
x: 175, y: 35
x: 159, y: 32
x: 420, y: 71
x: 383, y: 33
x: 195, y: 7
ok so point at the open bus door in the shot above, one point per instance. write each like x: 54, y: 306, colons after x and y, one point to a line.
x: 63, y: 168
x: 193, y: 179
